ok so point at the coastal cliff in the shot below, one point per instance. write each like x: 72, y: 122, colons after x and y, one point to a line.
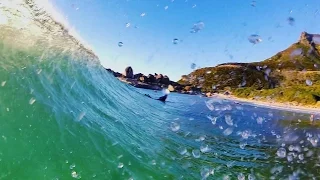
x: 292, y: 75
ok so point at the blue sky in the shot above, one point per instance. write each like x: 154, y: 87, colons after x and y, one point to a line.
x: 147, y: 42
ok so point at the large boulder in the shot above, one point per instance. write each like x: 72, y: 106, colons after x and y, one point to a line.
x: 159, y: 78
x: 143, y: 79
x: 151, y: 78
x: 128, y: 72
x: 165, y: 80
x: 137, y: 76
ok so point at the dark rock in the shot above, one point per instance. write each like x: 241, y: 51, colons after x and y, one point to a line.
x: 316, y: 97
x: 128, y: 72
x: 137, y: 76
x: 165, y: 80
x: 159, y: 78
x: 151, y: 78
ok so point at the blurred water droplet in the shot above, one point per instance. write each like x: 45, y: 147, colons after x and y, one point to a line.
x: 175, y: 41
x: 120, y: 44
x: 205, y: 172
x: 32, y: 100
x: 81, y: 115
x: 197, y: 27
x: 313, y: 141
x: 194, y: 6
x: 289, y: 158
x: 291, y: 21
x: 316, y: 39
x: 153, y: 162
x: 241, y: 176
x: 72, y: 166
x: 3, y: 83
x: 166, y: 7
x: 182, y: 150
x: 242, y: 145
x: 253, y: 3
x: 39, y: 71
x: 193, y: 65
x: 74, y: 174
x: 254, y: 39
x: 228, y: 131
x: 196, y: 153
x: 296, y: 52
x: 281, y: 152
x: 120, y: 165
x: 245, y: 134
x: 309, y: 82
x: 228, y: 120
x: 212, y: 119
x: 209, y: 104
x: 251, y: 177
x: 260, y: 120
x: 204, y: 148
x: 142, y: 14
x: 127, y: 25
x: 174, y: 127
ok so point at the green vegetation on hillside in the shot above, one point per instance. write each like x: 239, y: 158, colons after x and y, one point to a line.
x: 292, y: 75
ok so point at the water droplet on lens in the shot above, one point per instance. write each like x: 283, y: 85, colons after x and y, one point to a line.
x: 166, y: 7
x: 228, y: 131
x: 193, y: 65
x: 174, y: 127
x: 209, y: 105
x: 212, y: 119
x: 281, y: 152
x: 127, y: 25
x: 296, y: 52
x: 3, y: 83
x: 182, y: 150
x: 241, y: 176
x: 291, y: 21
x: 120, y: 44
x: 228, y: 120
x: 242, y: 145
x: 254, y: 39
x: 74, y: 174
x: 251, y: 177
x: 197, y: 27
x: 120, y: 165
x: 72, y: 166
x: 309, y: 82
x: 206, y: 172
x: 32, y: 100
x: 194, y: 6
x: 175, y: 41
x: 245, y: 134
x: 142, y: 14
x: 204, y: 148
x: 196, y: 153
x: 260, y: 120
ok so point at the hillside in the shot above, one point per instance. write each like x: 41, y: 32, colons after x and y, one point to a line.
x: 295, y: 69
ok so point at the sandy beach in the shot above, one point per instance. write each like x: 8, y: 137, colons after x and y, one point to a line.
x: 272, y: 105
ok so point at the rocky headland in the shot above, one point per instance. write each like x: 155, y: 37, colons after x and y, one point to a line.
x: 153, y: 81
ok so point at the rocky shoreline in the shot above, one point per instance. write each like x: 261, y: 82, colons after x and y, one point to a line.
x: 153, y: 82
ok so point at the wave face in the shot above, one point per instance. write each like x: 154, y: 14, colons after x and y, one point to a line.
x: 63, y: 116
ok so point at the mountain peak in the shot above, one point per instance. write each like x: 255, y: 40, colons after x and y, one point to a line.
x: 305, y: 38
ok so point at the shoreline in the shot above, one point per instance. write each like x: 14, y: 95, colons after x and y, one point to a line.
x: 271, y: 105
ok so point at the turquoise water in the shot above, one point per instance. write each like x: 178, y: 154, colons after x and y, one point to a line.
x: 63, y: 116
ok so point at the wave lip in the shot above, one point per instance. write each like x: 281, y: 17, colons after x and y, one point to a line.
x: 36, y: 21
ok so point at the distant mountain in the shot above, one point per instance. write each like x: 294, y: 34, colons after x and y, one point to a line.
x: 298, y: 65
x: 301, y: 58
